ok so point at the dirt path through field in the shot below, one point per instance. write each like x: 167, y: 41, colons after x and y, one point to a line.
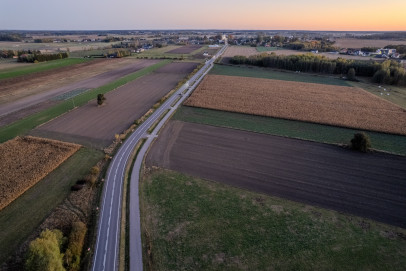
x: 368, y: 185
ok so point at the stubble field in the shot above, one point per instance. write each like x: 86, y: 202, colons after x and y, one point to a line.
x: 25, y: 161
x: 333, y: 105
x: 359, y: 43
x: 187, y: 49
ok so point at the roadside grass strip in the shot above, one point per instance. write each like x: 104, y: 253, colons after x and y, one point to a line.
x: 27, y: 124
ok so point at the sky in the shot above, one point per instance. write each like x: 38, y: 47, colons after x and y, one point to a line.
x: 350, y: 15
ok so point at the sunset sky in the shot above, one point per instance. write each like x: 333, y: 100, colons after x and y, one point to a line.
x: 208, y: 14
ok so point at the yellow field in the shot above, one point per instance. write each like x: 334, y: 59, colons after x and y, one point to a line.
x: 334, y: 105
x: 25, y: 161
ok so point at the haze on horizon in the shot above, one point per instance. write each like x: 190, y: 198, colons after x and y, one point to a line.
x: 344, y: 15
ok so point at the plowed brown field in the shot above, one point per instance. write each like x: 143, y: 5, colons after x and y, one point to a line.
x: 370, y: 185
x: 25, y: 161
x: 325, y: 104
x: 238, y: 51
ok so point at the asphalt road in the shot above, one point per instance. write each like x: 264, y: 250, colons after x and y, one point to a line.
x: 107, y: 244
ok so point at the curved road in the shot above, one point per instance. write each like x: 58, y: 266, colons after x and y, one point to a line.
x: 107, y: 244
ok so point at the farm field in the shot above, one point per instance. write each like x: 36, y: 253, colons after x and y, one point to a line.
x: 54, y: 47
x: 22, y: 216
x: 333, y: 105
x: 289, y: 128
x: 210, y: 51
x: 367, y: 185
x: 96, y: 126
x: 194, y: 224
x: 187, y: 49
x: 12, y: 68
x: 239, y: 51
x: 288, y: 52
x: 96, y: 73
x: 359, y: 43
x: 167, y: 52
x: 394, y: 94
x: 267, y: 73
x: 266, y: 49
x: 232, y: 51
x: 25, y: 161
x: 24, y: 125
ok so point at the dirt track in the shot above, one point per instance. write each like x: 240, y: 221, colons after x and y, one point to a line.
x: 96, y: 126
x: 368, y: 185
x: 187, y: 49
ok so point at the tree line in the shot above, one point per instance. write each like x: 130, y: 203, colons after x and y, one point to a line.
x: 38, y: 57
x: 388, y: 72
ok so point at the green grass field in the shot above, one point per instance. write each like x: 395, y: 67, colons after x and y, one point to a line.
x: 193, y: 224
x: 20, y: 218
x: 267, y: 73
x: 397, y: 94
x: 29, y: 123
x: 266, y: 49
x: 40, y: 67
x: 289, y: 128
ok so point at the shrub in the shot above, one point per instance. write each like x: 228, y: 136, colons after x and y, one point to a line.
x: 76, y: 187
x: 361, y: 142
x: 44, y: 253
x: 91, y: 180
x: 75, y: 246
x: 351, y: 74
x: 94, y: 170
x: 100, y: 99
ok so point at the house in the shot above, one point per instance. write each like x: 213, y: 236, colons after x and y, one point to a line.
x: 387, y: 52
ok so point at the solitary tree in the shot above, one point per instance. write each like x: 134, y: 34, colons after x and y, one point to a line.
x: 100, y: 99
x: 361, y: 142
x: 351, y: 74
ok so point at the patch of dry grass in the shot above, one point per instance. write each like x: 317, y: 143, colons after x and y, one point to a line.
x: 326, y: 104
x: 24, y: 161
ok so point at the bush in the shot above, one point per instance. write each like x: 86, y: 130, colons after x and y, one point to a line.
x: 351, y: 74
x: 91, y: 180
x: 100, y: 99
x: 75, y: 246
x: 361, y: 142
x: 95, y: 170
x: 44, y: 253
x: 76, y: 187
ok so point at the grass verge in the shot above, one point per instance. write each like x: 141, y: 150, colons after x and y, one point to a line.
x: 27, y: 124
x: 21, y: 217
x: 192, y: 224
x: 40, y: 67
x: 157, y: 121
x: 289, y: 128
x: 257, y: 72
